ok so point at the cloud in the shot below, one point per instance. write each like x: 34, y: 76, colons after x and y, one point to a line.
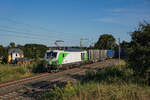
x: 117, y: 10
x: 131, y: 10
x: 146, y: 2
x: 107, y: 20
x: 125, y: 16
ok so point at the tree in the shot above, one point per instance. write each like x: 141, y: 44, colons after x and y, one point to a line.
x: 125, y: 45
x: 138, y: 54
x: 3, y: 54
x: 106, y: 41
x: 1, y: 50
x: 34, y: 50
x: 12, y: 44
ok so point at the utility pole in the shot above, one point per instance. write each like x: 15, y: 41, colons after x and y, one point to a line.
x: 80, y: 42
x: 119, y: 50
x: 81, y: 39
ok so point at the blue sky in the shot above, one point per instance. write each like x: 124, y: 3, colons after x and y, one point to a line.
x: 44, y: 21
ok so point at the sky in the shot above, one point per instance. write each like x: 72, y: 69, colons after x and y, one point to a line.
x: 45, y: 21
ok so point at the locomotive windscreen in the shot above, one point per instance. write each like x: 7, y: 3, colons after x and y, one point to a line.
x: 51, y: 54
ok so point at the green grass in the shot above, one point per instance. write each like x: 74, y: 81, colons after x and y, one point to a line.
x: 10, y: 72
x: 98, y: 91
x: 114, y: 83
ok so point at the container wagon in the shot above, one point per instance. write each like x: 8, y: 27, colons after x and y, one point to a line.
x: 97, y: 55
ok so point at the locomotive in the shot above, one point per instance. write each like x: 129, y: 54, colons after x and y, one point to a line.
x: 65, y: 59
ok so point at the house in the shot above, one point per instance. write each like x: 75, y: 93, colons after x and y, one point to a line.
x: 14, y: 53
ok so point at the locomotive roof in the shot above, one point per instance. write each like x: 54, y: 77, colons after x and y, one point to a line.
x: 74, y: 50
x: 69, y: 50
x: 15, y: 50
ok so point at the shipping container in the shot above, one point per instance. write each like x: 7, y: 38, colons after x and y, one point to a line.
x: 110, y: 53
x: 97, y: 55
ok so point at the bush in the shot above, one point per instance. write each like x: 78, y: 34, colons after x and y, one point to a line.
x: 94, y: 91
x: 138, y: 55
x: 110, y: 75
x: 39, y: 67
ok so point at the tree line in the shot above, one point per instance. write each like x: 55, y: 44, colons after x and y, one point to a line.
x: 32, y: 51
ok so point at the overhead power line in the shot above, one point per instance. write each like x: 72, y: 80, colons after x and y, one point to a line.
x: 31, y: 26
x: 24, y: 34
x: 15, y: 30
x: 30, y: 35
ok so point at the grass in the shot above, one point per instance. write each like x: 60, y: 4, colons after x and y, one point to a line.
x: 98, y: 91
x: 113, y: 83
x: 10, y: 72
x: 113, y: 74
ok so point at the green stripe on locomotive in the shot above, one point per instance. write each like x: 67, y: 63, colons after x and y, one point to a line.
x: 86, y: 57
x: 61, y: 57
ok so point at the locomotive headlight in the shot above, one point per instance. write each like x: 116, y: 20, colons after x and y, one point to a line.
x: 50, y: 62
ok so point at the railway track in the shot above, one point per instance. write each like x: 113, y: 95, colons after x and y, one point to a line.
x: 29, y: 88
x: 11, y: 87
x: 5, y: 84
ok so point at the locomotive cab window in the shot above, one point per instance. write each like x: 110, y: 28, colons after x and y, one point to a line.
x: 51, y: 54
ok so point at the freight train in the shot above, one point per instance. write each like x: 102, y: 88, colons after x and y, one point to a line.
x: 64, y: 59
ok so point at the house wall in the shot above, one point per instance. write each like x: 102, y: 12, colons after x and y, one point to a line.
x: 14, y: 56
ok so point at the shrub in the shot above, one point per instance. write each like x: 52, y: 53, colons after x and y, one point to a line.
x: 138, y: 55
x: 94, y: 91
x: 39, y: 67
x: 110, y: 75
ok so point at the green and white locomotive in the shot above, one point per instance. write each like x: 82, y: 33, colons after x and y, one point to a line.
x: 65, y: 59
x: 55, y: 59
